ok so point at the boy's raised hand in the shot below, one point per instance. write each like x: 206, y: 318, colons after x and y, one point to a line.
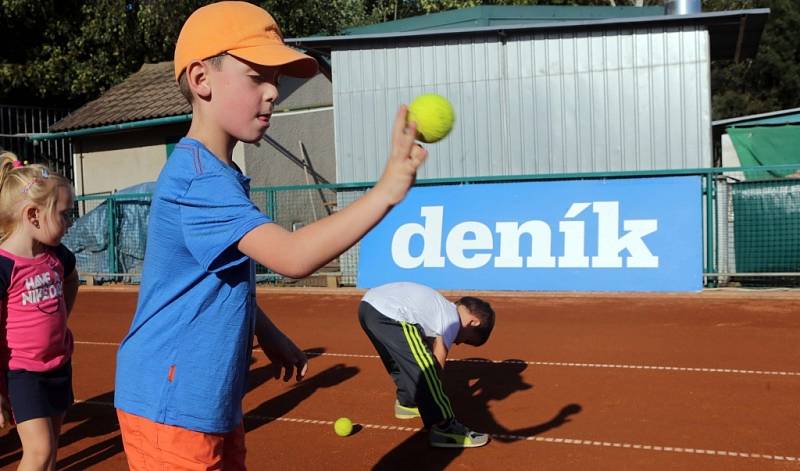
x: 405, y: 158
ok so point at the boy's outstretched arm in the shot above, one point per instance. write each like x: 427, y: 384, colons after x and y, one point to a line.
x: 283, y: 353
x: 439, y: 351
x: 300, y: 253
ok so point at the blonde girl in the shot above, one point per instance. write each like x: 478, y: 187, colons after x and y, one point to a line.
x: 38, y: 285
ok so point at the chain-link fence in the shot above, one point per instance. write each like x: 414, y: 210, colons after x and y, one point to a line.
x: 758, y: 232
x: 751, y: 227
x: 296, y: 206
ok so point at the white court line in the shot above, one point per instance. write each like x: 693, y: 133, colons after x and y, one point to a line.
x: 590, y: 365
x: 556, y: 363
x: 566, y: 441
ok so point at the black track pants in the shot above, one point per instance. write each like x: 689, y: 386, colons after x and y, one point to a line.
x: 408, y: 359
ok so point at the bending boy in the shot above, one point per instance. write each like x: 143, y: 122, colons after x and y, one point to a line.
x: 413, y: 328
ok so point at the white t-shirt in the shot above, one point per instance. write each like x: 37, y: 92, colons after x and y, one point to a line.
x: 417, y: 304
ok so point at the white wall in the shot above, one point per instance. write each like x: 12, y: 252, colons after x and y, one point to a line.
x: 108, y: 163
x: 730, y: 158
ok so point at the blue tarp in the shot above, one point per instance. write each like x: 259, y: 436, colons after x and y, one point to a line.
x: 125, y: 229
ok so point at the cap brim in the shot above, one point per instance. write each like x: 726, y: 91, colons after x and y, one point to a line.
x: 291, y: 62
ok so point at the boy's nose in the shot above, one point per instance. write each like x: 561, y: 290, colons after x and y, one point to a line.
x: 271, y: 94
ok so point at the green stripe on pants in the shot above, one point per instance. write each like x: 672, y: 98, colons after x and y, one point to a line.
x: 425, y: 362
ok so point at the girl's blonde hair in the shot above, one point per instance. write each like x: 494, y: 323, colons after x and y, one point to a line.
x: 20, y: 183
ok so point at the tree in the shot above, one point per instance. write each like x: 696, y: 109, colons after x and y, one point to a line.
x: 771, y: 80
x: 433, y: 6
x: 303, y: 18
x: 64, y: 53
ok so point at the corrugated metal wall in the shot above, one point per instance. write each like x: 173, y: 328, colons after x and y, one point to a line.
x: 538, y: 103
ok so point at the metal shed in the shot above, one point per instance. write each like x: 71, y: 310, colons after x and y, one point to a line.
x: 578, y: 96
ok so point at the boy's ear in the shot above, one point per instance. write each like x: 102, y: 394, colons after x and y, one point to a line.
x: 474, y: 322
x: 197, y: 78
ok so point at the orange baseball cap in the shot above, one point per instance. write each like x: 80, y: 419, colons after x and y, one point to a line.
x: 243, y: 30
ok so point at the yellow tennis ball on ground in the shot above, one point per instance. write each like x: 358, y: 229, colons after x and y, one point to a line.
x: 434, y: 117
x: 343, y: 426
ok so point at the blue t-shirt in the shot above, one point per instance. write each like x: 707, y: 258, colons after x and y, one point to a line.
x: 185, y: 359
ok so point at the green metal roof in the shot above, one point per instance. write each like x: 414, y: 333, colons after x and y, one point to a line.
x: 498, y: 15
x: 734, y: 34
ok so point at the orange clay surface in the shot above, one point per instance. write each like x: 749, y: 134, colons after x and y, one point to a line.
x: 707, y: 381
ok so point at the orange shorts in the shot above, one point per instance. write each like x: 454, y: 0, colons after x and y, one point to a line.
x: 153, y: 446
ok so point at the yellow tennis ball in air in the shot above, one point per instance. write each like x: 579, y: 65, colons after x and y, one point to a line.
x: 343, y: 426
x: 434, y: 117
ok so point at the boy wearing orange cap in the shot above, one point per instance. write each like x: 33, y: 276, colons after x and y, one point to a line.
x: 181, y: 370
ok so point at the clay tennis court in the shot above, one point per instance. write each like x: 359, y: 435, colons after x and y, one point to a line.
x: 705, y: 381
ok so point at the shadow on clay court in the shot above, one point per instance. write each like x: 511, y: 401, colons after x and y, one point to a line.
x: 94, y: 418
x: 472, y: 385
x: 279, y: 406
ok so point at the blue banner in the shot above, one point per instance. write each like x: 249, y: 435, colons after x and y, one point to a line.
x: 593, y: 235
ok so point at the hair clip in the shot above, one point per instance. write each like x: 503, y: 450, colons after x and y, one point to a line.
x: 27, y: 187
x: 34, y: 180
x: 18, y: 164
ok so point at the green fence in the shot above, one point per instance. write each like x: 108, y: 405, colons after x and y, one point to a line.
x: 751, y: 229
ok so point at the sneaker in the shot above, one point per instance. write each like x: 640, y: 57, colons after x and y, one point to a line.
x: 455, y: 435
x: 404, y: 412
